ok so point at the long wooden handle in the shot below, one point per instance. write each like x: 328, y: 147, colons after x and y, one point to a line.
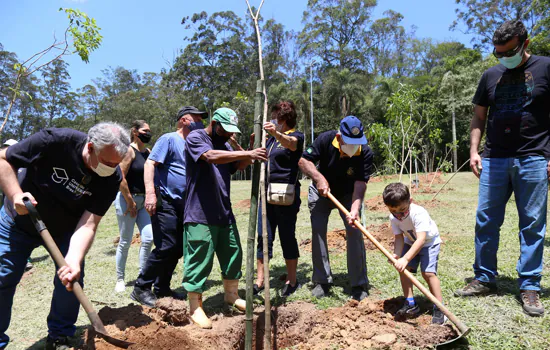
x: 461, y: 326
x: 59, y: 260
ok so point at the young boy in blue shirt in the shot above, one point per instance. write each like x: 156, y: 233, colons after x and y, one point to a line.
x: 417, y: 242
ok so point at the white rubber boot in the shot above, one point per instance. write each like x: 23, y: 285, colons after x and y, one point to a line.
x: 197, y: 313
x: 231, y: 296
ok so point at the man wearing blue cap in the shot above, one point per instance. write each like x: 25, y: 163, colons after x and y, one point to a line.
x: 344, y: 167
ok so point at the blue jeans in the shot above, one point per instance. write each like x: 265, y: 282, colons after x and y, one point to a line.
x: 126, y: 225
x: 527, y: 178
x: 16, y: 247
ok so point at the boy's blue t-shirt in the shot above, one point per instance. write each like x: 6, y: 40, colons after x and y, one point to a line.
x: 169, y: 151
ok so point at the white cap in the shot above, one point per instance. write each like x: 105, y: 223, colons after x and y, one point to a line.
x: 9, y: 142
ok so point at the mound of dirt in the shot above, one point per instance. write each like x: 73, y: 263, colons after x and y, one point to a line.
x: 244, y: 204
x: 300, y: 325
x: 336, y: 240
x: 376, y: 204
x: 369, y: 324
x: 161, y: 328
x: 136, y: 239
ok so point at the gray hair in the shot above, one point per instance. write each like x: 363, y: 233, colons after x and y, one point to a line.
x: 109, y: 133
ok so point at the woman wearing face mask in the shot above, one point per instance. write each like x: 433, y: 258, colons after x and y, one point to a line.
x: 285, y: 147
x: 129, y: 202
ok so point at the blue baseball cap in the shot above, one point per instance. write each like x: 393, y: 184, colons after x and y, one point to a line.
x: 351, y: 130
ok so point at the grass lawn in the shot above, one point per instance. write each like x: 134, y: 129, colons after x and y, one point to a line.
x: 497, y: 322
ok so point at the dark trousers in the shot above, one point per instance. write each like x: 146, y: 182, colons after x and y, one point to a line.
x: 284, y: 218
x: 167, y: 226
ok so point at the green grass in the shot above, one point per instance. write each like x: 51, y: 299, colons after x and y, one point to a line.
x: 497, y: 322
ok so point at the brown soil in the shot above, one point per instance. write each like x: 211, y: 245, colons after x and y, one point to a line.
x: 369, y: 324
x: 136, y: 240
x: 376, y: 204
x: 245, y: 203
x: 336, y: 240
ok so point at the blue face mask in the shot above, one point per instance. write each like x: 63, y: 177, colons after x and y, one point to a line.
x: 196, y: 126
x: 512, y: 62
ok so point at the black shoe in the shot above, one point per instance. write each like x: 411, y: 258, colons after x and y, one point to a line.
x: 320, y: 290
x: 61, y: 343
x: 359, y: 293
x: 144, y: 297
x: 476, y: 288
x: 288, y: 289
x: 438, y: 317
x: 407, y: 311
x: 29, y: 266
x: 170, y: 294
x: 531, y: 303
x: 256, y: 289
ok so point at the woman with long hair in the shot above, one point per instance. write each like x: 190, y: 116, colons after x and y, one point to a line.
x: 129, y: 203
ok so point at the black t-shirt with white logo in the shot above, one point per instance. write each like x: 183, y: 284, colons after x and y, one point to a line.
x: 519, y: 109
x: 59, y: 180
x: 340, y: 171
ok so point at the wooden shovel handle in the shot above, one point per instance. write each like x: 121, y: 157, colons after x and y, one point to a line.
x: 461, y: 326
x: 56, y: 255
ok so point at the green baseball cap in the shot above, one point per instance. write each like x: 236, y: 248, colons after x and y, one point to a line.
x: 227, y: 118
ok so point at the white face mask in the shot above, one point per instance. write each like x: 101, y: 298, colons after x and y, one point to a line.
x: 350, y: 150
x: 102, y: 169
x: 278, y: 127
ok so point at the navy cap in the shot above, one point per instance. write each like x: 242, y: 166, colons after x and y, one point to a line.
x: 351, y: 131
x: 190, y: 110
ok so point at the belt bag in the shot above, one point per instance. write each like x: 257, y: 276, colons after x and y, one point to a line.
x: 281, y: 194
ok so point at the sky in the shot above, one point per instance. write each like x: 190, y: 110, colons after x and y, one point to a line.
x: 146, y: 34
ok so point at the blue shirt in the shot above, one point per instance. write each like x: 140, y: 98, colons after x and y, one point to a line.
x: 170, y: 172
x: 208, y: 185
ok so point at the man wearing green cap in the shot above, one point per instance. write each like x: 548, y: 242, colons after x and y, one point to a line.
x: 209, y: 223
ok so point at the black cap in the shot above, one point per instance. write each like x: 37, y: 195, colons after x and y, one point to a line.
x: 190, y: 110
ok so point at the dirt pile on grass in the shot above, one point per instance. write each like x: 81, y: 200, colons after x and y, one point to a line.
x: 376, y: 204
x: 336, y: 240
x: 369, y: 324
x: 167, y: 327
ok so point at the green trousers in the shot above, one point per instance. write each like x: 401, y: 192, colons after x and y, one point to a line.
x: 200, y: 242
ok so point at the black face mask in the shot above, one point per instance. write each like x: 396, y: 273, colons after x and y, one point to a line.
x: 216, y: 138
x: 145, y: 137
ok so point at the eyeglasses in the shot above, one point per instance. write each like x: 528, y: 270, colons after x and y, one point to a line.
x: 508, y: 53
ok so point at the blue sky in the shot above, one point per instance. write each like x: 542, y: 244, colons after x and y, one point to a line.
x: 144, y: 34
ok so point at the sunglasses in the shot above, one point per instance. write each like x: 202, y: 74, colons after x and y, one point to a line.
x: 508, y: 53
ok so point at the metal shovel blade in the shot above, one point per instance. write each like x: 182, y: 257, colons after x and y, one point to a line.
x: 460, y: 336
x: 98, y: 329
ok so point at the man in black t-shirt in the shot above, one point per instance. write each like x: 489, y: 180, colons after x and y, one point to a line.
x: 345, y: 163
x: 72, y: 179
x: 512, y: 98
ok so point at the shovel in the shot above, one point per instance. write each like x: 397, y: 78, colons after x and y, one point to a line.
x: 97, y: 325
x: 463, y: 329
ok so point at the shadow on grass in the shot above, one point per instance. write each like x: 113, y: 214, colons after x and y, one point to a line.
x: 40, y: 258
x: 77, y: 341
x: 111, y: 251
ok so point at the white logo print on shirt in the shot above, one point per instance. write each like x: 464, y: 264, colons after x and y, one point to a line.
x: 60, y: 176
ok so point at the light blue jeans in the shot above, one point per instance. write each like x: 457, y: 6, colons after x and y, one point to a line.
x: 527, y: 178
x: 126, y: 225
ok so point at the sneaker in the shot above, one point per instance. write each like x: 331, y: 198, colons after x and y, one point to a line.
x: 29, y: 266
x: 171, y: 294
x: 359, y: 293
x: 288, y: 289
x: 120, y: 286
x: 407, y: 311
x: 61, y: 343
x: 144, y: 297
x: 438, y: 317
x: 257, y: 289
x: 531, y: 303
x: 320, y: 290
x: 476, y: 288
